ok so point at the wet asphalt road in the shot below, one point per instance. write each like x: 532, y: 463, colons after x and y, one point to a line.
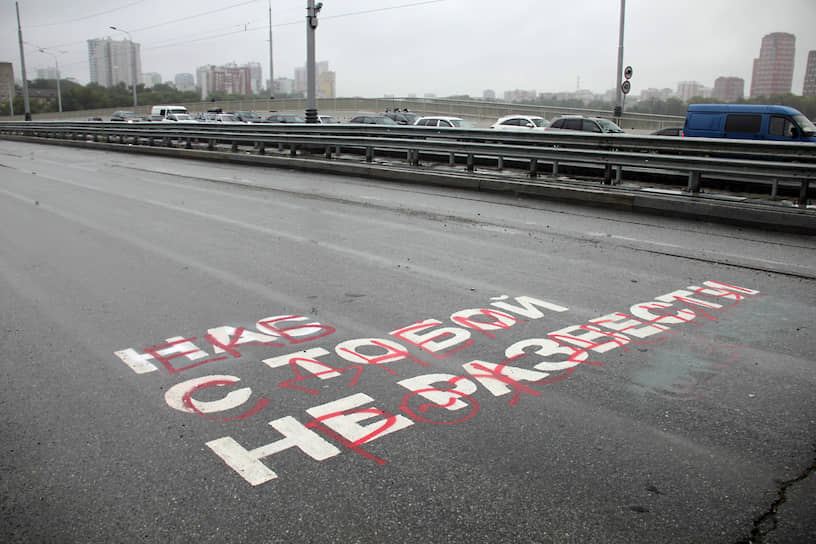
x: 200, y: 353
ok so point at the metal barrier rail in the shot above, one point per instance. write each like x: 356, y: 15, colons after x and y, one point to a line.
x: 771, y: 163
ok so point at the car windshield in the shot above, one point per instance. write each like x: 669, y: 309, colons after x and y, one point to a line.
x: 807, y: 127
x: 609, y: 126
x: 539, y: 122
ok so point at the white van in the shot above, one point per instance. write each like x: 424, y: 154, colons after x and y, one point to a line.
x: 164, y: 111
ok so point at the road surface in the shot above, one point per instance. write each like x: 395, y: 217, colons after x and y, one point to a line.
x: 203, y: 353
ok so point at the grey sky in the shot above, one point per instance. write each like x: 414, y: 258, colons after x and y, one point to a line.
x: 444, y: 47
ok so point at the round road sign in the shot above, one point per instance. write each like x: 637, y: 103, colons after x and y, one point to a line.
x: 627, y: 72
x: 626, y: 87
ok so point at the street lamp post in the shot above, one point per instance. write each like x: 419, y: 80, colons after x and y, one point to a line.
x: 56, y: 62
x: 22, y: 64
x: 132, y: 61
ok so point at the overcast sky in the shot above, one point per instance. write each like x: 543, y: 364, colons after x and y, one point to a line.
x: 444, y: 47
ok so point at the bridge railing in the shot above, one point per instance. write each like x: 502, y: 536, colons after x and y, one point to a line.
x: 768, y: 163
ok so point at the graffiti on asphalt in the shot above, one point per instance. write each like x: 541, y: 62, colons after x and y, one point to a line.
x: 429, y: 397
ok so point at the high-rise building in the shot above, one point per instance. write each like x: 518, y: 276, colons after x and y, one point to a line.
x: 686, y: 90
x: 301, y: 75
x: 326, y: 85
x: 151, y: 79
x: 256, y: 77
x: 47, y: 73
x: 809, y: 88
x: 729, y: 89
x: 6, y: 81
x: 185, y: 82
x: 114, y: 61
x: 773, y: 70
x: 228, y: 79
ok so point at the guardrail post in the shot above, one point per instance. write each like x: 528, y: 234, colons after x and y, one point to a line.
x: 500, y: 164
x: 452, y: 159
x: 211, y: 145
x: 327, y: 153
x: 189, y: 144
x: 533, y: 168
x: 618, y: 175
x: 470, y: 162
x: 234, y: 147
x: 369, y: 154
x: 293, y: 150
x: 261, y: 148
x: 555, y: 168
x: 803, y: 191
x: 693, y: 183
x: 607, y: 174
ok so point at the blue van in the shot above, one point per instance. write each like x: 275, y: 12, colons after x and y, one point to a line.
x: 748, y: 122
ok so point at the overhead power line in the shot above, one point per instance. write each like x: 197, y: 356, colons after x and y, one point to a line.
x: 91, y: 16
x: 264, y: 26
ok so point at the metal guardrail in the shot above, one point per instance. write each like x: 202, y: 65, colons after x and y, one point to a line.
x: 769, y: 163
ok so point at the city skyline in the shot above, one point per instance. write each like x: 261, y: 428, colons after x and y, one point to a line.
x: 386, y: 48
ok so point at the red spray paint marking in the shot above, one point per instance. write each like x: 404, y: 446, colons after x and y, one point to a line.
x: 282, y: 331
x: 496, y: 374
x: 421, y: 345
x: 299, y: 376
x: 471, y: 323
x: 233, y: 341
x: 317, y: 424
x: 390, y: 355
x: 187, y: 400
x: 165, y: 360
x: 424, y: 407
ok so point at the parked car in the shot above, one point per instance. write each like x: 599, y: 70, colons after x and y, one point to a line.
x: 95, y: 118
x: 223, y: 118
x: 523, y: 123
x: 585, y: 124
x: 327, y: 120
x: 443, y: 122
x: 748, y: 122
x: 165, y: 110
x: 126, y: 117
x: 179, y: 118
x: 285, y: 118
x: 372, y: 119
x: 247, y: 116
x: 668, y: 131
x: 402, y: 117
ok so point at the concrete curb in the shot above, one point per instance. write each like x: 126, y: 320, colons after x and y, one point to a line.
x: 702, y: 208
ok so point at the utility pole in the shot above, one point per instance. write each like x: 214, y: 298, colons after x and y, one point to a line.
x: 618, y: 91
x: 22, y: 64
x: 56, y: 61
x: 311, y: 81
x: 271, y: 64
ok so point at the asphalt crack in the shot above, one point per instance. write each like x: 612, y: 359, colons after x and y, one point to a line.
x: 767, y: 522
